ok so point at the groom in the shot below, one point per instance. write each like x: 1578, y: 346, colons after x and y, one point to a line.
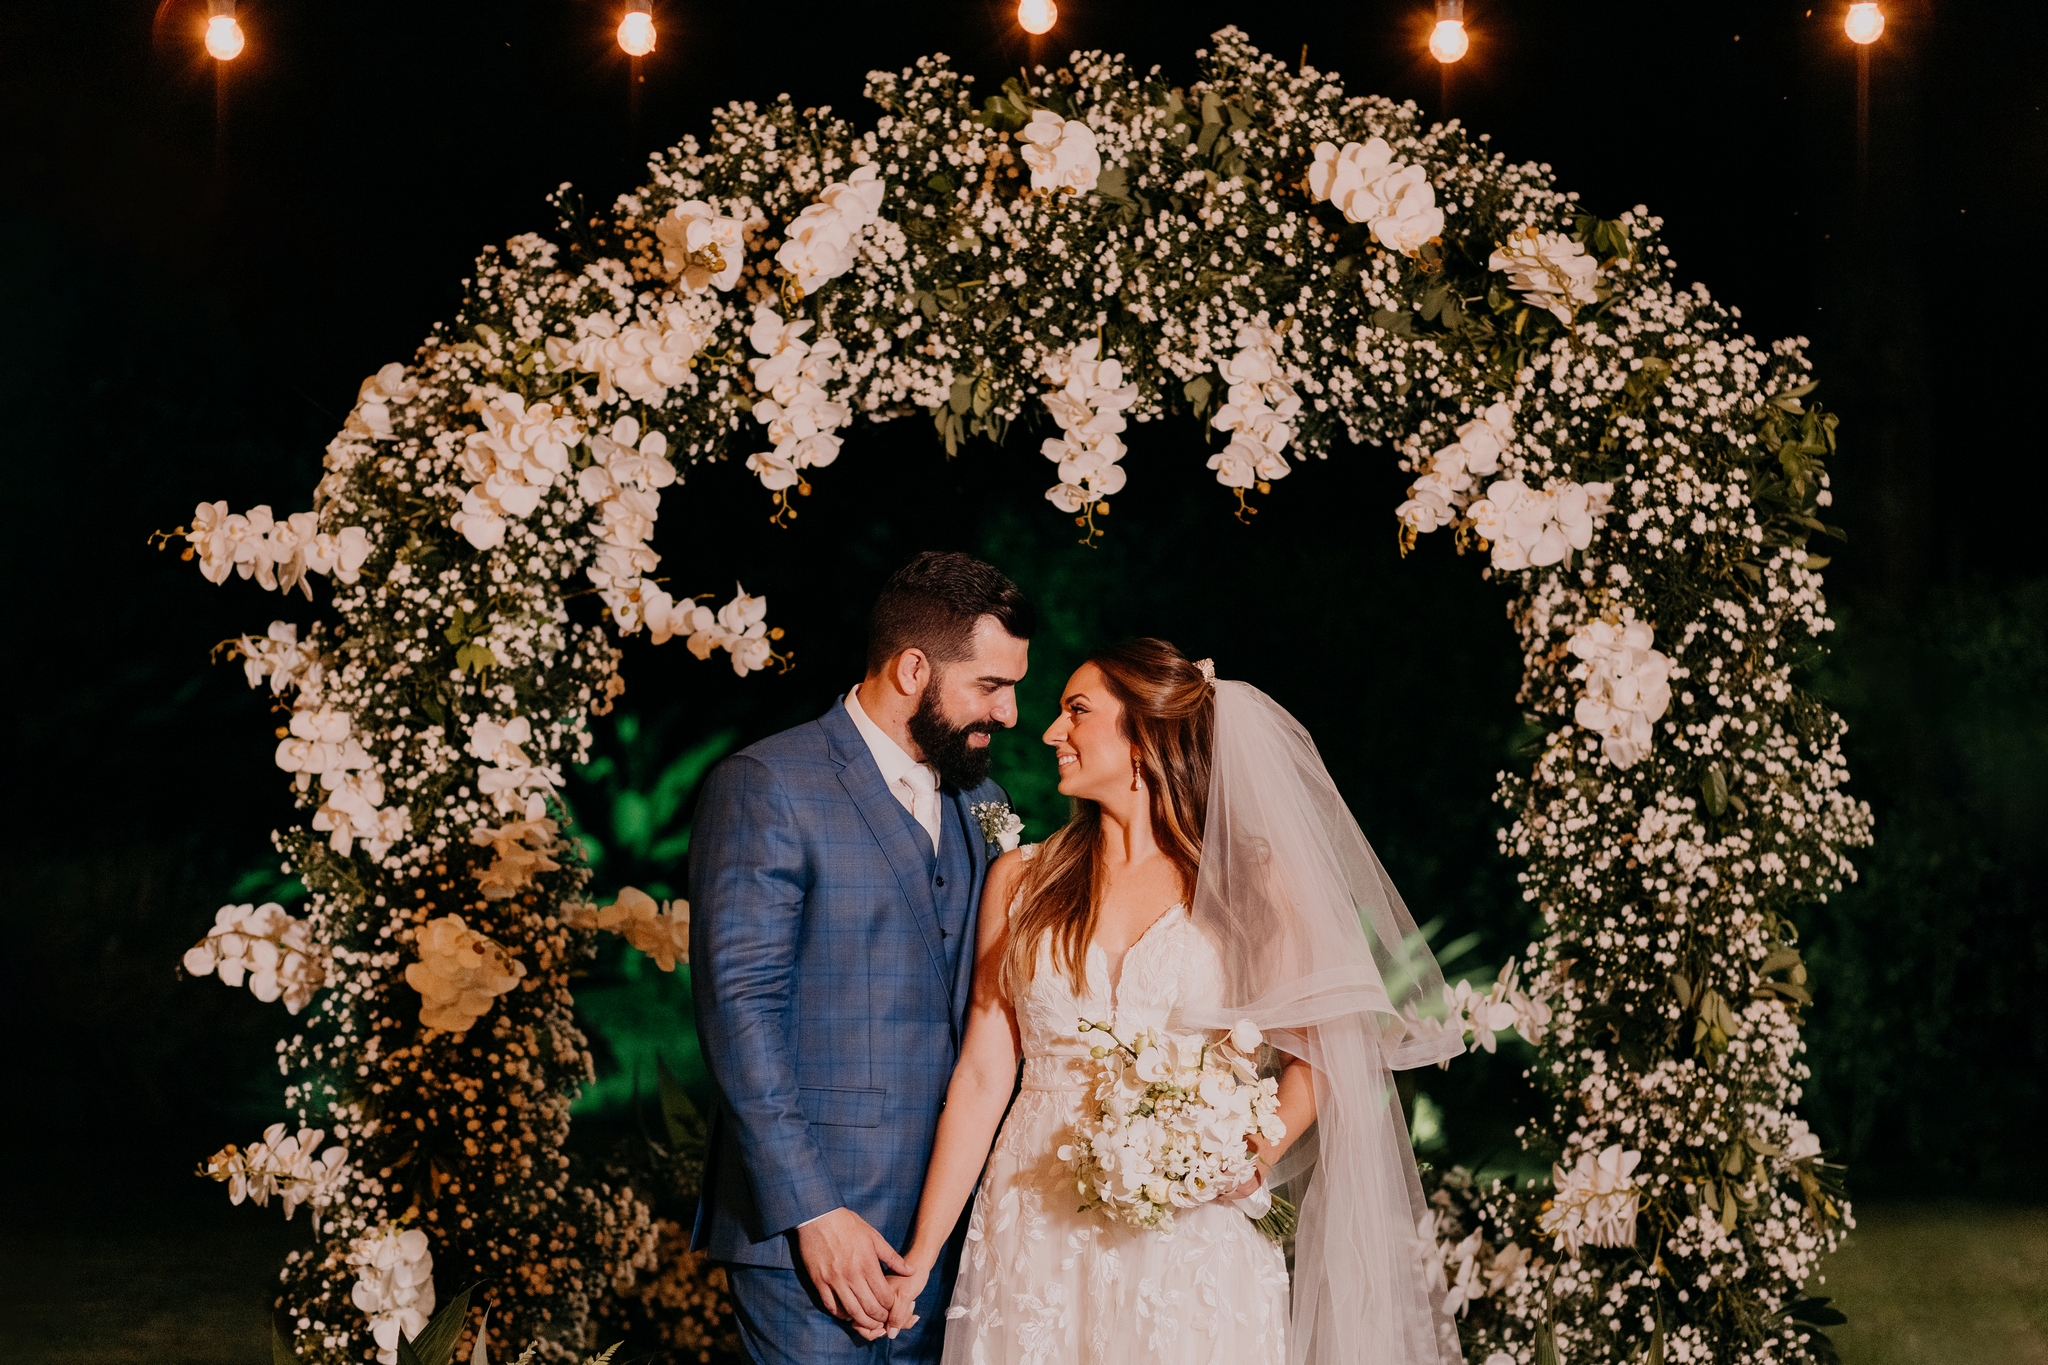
x: 834, y: 876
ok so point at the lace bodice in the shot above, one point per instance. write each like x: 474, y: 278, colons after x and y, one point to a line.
x: 1172, y: 963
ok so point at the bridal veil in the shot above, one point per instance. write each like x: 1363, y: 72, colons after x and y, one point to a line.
x: 1322, y: 956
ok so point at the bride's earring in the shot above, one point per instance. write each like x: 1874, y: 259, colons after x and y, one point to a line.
x: 1137, y: 770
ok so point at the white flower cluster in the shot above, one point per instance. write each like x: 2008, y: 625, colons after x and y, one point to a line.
x: 281, y: 659
x: 644, y: 360
x: 519, y: 851
x: 1061, y: 152
x: 700, y: 247
x: 1000, y: 825
x: 282, y: 1166
x: 1468, y: 1269
x: 660, y: 930
x: 1483, y: 1015
x: 1365, y: 183
x: 801, y: 418
x: 460, y: 974
x: 1450, y: 477
x: 1088, y: 406
x: 1595, y: 1202
x: 623, y: 480
x: 371, y: 417
x: 1531, y: 529
x: 1549, y: 269
x: 1627, y: 683
x: 320, y: 742
x: 514, y: 782
x: 1258, y: 412
x: 277, y: 554
x: 521, y: 453
x: 265, y: 946
x: 1173, y: 1113
x: 820, y: 245
x: 394, y: 1285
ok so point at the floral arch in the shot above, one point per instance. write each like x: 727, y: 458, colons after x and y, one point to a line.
x: 1089, y: 249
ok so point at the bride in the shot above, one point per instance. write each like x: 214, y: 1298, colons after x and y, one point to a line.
x: 1211, y: 874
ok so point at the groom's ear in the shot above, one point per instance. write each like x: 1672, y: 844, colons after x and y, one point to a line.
x: 909, y: 672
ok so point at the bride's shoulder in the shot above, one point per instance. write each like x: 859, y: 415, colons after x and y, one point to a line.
x: 1005, y: 875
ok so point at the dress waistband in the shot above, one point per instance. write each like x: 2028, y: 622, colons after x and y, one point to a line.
x: 1055, y: 1072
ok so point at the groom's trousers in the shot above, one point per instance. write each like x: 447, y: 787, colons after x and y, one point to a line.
x: 781, y: 1324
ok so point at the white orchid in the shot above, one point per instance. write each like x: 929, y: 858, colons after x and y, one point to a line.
x: 1061, y: 153
x: 799, y: 414
x: 1548, y: 269
x: 371, y: 418
x: 1259, y: 410
x: 1088, y: 407
x: 282, y: 1166
x: 823, y: 241
x: 701, y: 248
x: 460, y: 974
x: 394, y: 1285
x: 659, y: 929
x: 1628, y: 686
x: 264, y: 946
x: 519, y: 851
x: 1595, y: 1202
x: 1394, y: 200
x: 281, y: 658
x: 644, y: 360
x: 1529, y: 529
x: 515, y: 783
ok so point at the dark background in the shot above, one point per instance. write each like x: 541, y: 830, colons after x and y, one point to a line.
x: 195, y: 280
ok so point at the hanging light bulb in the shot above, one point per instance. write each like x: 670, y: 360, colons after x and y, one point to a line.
x: 1448, y: 41
x: 636, y: 30
x: 1037, y: 16
x: 224, y: 36
x: 1865, y: 22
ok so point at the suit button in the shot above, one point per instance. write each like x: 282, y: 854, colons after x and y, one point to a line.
x: 941, y: 881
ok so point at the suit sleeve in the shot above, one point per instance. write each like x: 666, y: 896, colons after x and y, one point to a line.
x: 747, y: 885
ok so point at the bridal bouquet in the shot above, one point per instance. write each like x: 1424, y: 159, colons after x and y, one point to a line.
x: 1172, y: 1122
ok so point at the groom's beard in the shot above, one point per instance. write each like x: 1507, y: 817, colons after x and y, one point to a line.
x: 961, y: 766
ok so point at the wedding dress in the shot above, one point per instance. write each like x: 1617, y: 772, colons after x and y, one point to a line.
x: 1042, y: 1283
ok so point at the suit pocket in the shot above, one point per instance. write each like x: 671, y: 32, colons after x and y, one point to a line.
x: 842, y: 1108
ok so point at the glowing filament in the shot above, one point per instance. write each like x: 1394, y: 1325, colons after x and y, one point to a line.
x: 224, y: 37
x: 1865, y: 22
x: 636, y: 33
x: 1448, y: 41
x: 1037, y: 16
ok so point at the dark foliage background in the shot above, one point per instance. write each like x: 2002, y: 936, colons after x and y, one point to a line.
x: 193, y: 281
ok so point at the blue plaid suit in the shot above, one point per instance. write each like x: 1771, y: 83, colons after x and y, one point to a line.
x: 831, y: 959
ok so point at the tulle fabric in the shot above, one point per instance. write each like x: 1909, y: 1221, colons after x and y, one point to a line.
x: 1320, y: 953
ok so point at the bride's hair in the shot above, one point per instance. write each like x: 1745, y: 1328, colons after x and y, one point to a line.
x: 1170, y: 719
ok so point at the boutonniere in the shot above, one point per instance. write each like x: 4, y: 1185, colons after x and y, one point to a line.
x: 1000, y: 825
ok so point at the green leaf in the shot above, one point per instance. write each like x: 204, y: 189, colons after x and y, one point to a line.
x: 457, y: 630
x: 1779, y: 960
x: 1681, y: 988
x: 941, y: 182
x: 480, y: 1354
x: 1197, y: 391
x: 1433, y: 302
x: 281, y: 1352
x: 1113, y: 183
x: 1714, y: 789
x: 435, y: 1345
x: 631, y: 826
x: 1815, y: 1311
x: 962, y: 396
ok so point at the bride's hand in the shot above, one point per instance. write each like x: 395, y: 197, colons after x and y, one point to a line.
x: 903, y: 1313
x: 1258, y: 1177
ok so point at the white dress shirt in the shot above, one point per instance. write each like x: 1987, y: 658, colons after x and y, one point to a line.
x: 913, y: 783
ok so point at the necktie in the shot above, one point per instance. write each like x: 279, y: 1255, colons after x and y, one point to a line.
x: 918, y: 790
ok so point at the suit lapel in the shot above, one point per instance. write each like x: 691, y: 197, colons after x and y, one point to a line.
x: 892, y: 827
x: 977, y: 854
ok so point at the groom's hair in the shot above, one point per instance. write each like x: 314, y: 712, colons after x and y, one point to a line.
x: 932, y: 603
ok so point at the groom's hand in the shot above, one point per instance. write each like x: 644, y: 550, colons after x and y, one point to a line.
x: 844, y: 1258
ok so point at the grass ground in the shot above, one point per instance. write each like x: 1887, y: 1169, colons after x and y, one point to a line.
x: 1929, y: 1284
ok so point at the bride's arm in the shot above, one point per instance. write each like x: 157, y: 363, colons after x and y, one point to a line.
x: 983, y: 1081
x: 1297, y: 1111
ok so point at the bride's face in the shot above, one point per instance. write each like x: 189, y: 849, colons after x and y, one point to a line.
x: 1088, y: 739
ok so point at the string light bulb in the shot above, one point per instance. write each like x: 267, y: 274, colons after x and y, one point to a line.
x: 1865, y: 22
x: 1037, y: 16
x: 224, y: 36
x: 1448, y: 41
x: 636, y: 30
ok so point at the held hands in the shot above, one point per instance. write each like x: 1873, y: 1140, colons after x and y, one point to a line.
x: 844, y: 1257
x: 904, y: 1313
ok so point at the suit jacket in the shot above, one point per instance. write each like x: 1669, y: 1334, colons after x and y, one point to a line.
x: 830, y: 994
